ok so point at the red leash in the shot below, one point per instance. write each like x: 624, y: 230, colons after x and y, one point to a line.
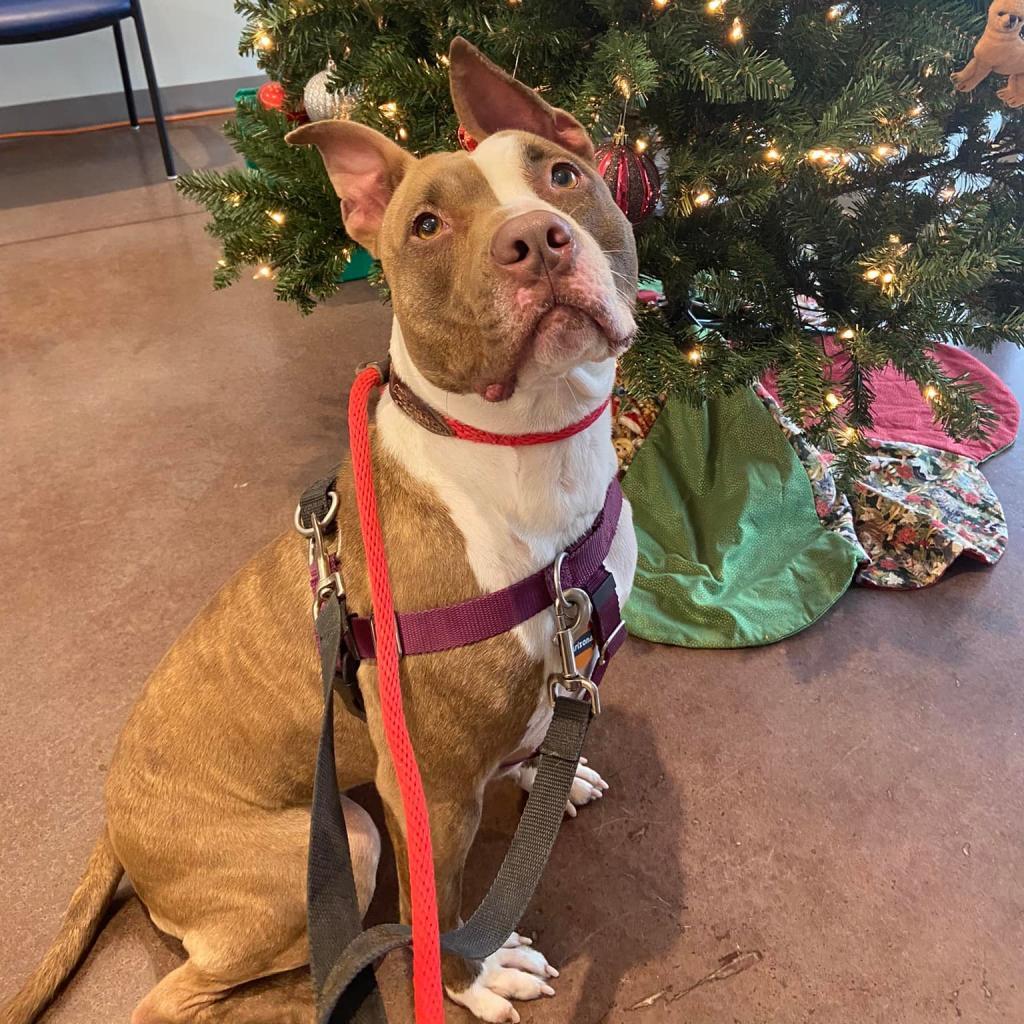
x: 426, y: 938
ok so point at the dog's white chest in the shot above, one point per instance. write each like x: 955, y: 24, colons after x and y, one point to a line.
x: 517, y: 512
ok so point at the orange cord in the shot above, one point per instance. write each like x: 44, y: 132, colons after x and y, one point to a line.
x: 219, y: 112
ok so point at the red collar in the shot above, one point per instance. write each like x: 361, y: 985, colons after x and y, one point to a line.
x: 430, y: 419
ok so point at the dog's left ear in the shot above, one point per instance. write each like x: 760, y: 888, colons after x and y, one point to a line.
x: 487, y: 100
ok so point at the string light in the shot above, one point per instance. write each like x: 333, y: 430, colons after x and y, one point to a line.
x: 771, y: 155
x: 640, y: 145
x: 702, y: 198
x: 850, y: 435
x: 235, y: 199
x: 895, y: 239
x: 931, y: 392
x: 622, y: 84
x: 695, y: 355
x: 389, y: 109
x: 661, y: 4
x: 872, y: 274
x: 834, y: 12
x: 847, y: 334
x: 947, y: 193
x: 736, y: 32
x: 884, y: 151
x: 276, y: 216
x: 263, y: 272
x: 715, y: 6
x: 403, y: 133
x: 264, y: 41
x: 915, y: 111
x: 887, y: 278
x: 222, y: 263
x: 832, y: 400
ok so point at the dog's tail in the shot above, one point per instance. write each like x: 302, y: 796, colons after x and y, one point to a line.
x: 81, y: 922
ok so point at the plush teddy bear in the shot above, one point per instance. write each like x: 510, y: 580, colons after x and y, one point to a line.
x: 1000, y: 49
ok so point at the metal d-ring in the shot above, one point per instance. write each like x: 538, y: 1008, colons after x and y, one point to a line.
x: 332, y: 509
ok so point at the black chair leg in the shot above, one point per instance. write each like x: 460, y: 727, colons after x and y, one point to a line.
x: 126, y: 78
x: 154, y: 90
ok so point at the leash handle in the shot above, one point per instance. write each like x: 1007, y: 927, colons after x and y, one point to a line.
x: 426, y: 939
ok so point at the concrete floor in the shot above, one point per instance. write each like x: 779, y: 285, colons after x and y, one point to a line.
x: 841, y: 814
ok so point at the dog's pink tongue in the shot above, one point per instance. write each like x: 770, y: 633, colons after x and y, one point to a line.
x: 497, y: 392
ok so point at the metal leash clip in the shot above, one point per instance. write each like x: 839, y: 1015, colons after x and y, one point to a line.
x: 328, y: 579
x: 573, y: 609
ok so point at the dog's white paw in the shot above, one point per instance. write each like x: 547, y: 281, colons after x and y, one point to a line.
x: 513, y: 972
x: 587, y: 786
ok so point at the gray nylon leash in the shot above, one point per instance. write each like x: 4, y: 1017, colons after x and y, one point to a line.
x: 341, y: 953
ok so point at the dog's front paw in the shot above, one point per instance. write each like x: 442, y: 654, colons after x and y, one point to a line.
x: 587, y: 786
x: 513, y: 972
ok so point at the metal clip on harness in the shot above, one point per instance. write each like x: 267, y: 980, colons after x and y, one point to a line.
x: 573, y: 609
x: 328, y: 580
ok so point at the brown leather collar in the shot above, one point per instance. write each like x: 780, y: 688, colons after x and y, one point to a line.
x: 416, y: 409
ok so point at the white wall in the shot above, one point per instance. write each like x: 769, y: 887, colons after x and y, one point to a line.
x: 191, y: 41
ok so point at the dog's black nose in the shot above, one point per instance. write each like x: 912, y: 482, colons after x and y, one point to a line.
x: 532, y: 244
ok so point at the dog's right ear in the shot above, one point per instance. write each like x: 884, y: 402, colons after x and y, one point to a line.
x: 365, y: 168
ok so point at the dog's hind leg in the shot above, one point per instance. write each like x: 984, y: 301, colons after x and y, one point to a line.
x: 254, y: 927
x: 193, y: 995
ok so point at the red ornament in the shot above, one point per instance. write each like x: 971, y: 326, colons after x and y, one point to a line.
x: 631, y: 176
x: 272, y: 96
x: 466, y: 141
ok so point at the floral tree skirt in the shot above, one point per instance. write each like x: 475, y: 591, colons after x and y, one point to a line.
x: 918, y: 510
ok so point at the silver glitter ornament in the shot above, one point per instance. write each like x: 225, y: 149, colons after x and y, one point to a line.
x: 324, y: 105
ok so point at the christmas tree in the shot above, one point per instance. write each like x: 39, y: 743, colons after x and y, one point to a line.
x: 818, y: 174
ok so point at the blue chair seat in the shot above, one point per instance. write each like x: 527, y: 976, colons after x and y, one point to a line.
x: 22, y: 20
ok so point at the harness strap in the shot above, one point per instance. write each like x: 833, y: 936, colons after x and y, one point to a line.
x: 490, y: 615
x: 316, y: 502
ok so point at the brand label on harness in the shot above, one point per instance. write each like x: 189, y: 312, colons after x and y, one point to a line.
x: 581, y: 649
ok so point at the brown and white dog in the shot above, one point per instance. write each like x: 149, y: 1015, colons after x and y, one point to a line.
x: 1000, y: 49
x: 513, y: 276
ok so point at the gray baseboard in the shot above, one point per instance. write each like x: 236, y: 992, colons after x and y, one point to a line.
x: 81, y: 111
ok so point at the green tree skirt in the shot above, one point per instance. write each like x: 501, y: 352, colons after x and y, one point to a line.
x: 732, y: 553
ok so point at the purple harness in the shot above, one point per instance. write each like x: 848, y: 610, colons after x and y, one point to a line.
x: 577, y: 586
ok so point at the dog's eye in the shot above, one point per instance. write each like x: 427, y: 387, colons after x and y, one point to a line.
x: 426, y: 225
x: 564, y: 176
